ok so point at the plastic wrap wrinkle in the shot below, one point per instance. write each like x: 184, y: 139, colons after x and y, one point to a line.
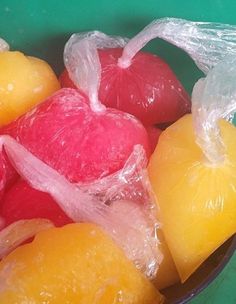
x: 118, y: 186
x: 4, y: 45
x: 15, y: 234
x: 82, y: 61
x: 214, y: 98
x: 207, y: 43
x: 132, y: 225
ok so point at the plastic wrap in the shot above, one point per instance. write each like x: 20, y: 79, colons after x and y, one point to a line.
x: 17, y: 233
x: 206, y: 42
x: 132, y: 225
x: 3, y: 45
x: 130, y: 183
x: 214, y: 98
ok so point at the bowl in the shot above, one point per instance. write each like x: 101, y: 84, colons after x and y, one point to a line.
x: 41, y: 28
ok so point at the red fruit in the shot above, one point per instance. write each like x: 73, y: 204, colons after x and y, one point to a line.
x: 21, y: 201
x: 81, y: 144
x: 154, y: 134
x: 66, y: 81
x: 147, y: 89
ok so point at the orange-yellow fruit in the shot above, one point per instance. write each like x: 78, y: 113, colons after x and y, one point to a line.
x: 197, y: 200
x: 78, y: 264
x: 24, y: 82
x: 167, y: 273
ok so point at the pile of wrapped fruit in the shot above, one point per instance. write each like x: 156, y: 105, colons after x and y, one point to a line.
x: 113, y: 184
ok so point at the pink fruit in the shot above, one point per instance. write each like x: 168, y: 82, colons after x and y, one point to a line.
x: 147, y: 89
x: 80, y: 144
x: 21, y: 201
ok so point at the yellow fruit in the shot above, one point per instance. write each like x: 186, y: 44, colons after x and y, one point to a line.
x: 197, y: 200
x: 167, y: 274
x: 77, y: 263
x: 24, y: 82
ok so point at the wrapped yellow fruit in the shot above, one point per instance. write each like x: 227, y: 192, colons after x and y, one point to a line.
x: 197, y: 200
x: 193, y: 168
x: 24, y: 82
x: 77, y: 263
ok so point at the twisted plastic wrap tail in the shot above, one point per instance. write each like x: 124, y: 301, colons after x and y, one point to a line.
x: 82, y: 62
x: 207, y: 43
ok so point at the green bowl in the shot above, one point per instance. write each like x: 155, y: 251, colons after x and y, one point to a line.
x: 41, y: 28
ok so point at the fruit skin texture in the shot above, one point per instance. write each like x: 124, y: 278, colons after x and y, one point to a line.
x: 196, y: 199
x: 22, y: 201
x: 81, y: 144
x: 24, y: 82
x: 147, y: 89
x: 77, y: 263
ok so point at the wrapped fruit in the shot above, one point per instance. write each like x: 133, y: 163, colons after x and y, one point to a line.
x: 192, y: 169
x: 78, y: 263
x: 24, y: 82
x: 136, y: 82
x: 80, y: 143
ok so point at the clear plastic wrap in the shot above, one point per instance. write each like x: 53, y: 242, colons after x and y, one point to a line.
x: 214, y: 98
x: 3, y: 45
x: 15, y: 234
x: 206, y: 42
x: 129, y: 218
x: 130, y: 183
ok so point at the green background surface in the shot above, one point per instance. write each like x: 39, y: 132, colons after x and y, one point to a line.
x: 40, y: 28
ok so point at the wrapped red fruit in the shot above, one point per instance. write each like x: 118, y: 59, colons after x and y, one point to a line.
x: 136, y: 82
x: 80, y: 143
